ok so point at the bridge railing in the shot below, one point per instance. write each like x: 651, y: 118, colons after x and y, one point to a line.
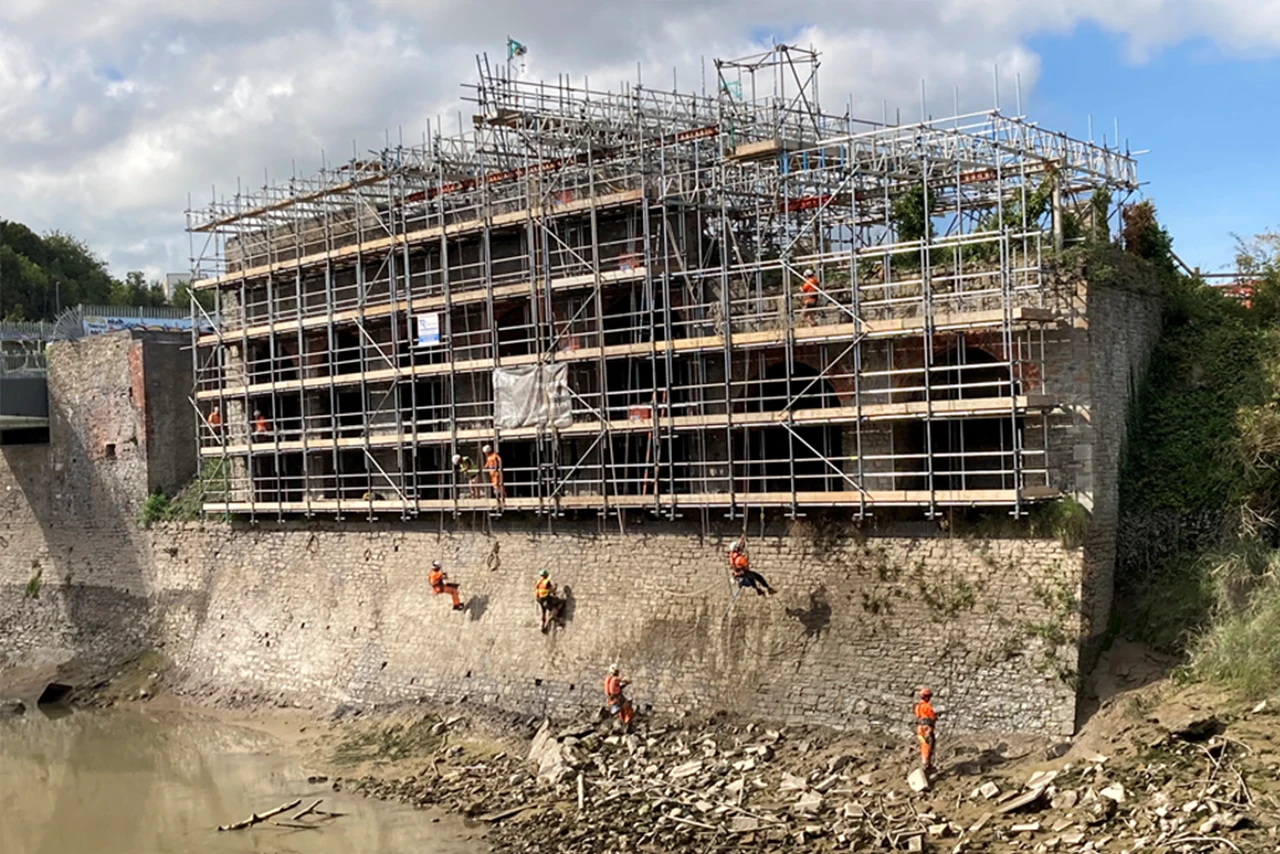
x: 23, y: 363
x: 25, y: 330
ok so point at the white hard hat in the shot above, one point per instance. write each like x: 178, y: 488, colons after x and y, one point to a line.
x: 809, y: 272
x: 457, y: 458
x: 613, y: 668
x: 487, y: 448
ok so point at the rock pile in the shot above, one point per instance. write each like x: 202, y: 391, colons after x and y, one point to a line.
x: 719, y: 786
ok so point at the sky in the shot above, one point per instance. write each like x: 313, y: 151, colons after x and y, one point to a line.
x: 114, y: 112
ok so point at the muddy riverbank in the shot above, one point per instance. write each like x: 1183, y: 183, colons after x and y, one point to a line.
x: 1157, y: 767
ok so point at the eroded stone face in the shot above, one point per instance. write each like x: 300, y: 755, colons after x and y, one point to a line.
x: 330, y: 613
x: 322, y: 617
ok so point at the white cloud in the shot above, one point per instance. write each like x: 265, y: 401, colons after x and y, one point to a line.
x: 112, y: 112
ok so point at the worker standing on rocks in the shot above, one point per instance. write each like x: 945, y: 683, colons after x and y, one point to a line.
x: 617, y: 703
x: 439, y: 582
x: 544, y: 591
x: 740, y: 566
x: 926, y: 728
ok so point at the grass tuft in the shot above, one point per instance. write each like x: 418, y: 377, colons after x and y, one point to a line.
x: 1241, y: 649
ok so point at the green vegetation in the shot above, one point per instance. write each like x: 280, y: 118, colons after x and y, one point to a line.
x: 392, y: 743
x: 1200, y: 481
x: 910, y: 213
x: 210, y: 483
x: 41, y: 275
x: 33, y: 583
x: 1064, y: 520
x: 155, y: 509
x: 1241, y: 648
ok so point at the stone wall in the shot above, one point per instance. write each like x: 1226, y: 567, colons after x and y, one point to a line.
x: 168, y: 418
x: 120, y: 427
x: 72, y: 572
x: 1097, y: 368
x: 340, y: 613
x: 324, y: 615
x: 1124, y: 326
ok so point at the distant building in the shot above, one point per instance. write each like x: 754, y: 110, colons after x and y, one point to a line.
x: 171, y: 282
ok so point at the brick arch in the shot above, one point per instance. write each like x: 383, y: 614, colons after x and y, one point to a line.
x: 910, y: 354
x: 808, y: 357
x: 1025, y: 372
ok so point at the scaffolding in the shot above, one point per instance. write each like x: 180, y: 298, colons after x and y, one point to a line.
x: 729, y: 299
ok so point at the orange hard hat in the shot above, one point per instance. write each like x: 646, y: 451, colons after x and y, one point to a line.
x: 925, y: 693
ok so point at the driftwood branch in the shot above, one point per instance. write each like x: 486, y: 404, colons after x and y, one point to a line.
x: 259, y: 818
x: 308, y: 810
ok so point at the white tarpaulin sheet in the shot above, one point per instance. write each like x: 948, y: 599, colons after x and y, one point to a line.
x: 532, y: 396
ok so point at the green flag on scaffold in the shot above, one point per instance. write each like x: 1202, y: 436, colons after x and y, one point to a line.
x: 514, y: 49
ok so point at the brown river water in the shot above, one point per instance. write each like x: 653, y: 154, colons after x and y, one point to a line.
x: 139, y: 783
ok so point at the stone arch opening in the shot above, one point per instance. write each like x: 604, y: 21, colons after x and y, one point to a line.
x: 964, y: 453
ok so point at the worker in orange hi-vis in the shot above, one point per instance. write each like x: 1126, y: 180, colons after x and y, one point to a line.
x: 440, y: 584
x: 616, y: 702
x: 809, y: 296
x: 493, y: 465
x: 926, y: 729
x: 214, y: 420
x: 551, y: 605
x: 740, y: 567
x: 261, y: 427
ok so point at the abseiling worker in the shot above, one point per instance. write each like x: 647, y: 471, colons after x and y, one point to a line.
x: 926, y: 729
x: 439, y: 581
x: 544, y: 591
x: 617, y: 703
x: 493, y: 465
x: 740, y: 566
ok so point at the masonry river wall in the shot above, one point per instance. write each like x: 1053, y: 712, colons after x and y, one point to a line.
x: 330, y: 615
x: 322, y: 614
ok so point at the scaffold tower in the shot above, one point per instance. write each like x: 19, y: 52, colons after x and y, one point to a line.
x: 647, y: 299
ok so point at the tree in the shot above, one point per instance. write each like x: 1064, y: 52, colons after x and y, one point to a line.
x: 136, y: 290
x: 182, y: 297
x: 39, y: 276
x: 1258, y: 263
x: 911, y: 214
